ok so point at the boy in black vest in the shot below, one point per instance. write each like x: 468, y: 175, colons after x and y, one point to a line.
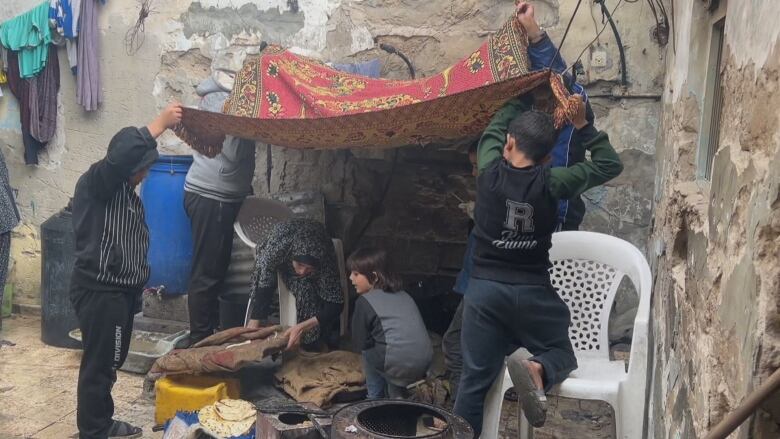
x: 510, y: 300
x: 111, y: 268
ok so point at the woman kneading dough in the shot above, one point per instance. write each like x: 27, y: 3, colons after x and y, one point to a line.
x: 302, y: 253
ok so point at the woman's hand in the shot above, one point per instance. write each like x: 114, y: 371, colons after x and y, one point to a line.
x: 296, y: 332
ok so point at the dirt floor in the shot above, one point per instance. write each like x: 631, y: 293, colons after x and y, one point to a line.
x: 38, y: 395
x: 38, y: 387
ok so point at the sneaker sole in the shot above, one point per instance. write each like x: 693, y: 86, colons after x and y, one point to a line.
x: 532, y: 400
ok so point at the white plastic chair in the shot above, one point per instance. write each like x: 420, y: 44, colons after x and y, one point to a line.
x: 255, y: 220
x: 288, y: 312
x: 587, y: 270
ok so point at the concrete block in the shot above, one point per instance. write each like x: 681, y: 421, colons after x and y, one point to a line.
x: 288, y: 426
x: 166, y: 307
x: 145, y: 323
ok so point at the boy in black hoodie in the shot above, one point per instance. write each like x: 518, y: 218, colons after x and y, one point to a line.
x: 111, y: 268
x: 510, y: 300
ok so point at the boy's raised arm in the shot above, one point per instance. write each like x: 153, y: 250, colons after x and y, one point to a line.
x: 127, y: 148
x: 604, y: 163
x: 541, y: 49
x: 491, y: 144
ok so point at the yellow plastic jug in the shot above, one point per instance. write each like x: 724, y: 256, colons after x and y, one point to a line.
x: 190, y: 393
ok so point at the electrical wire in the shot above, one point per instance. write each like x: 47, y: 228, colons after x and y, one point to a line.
x: 661, y: 20
x: 620, y: 2
x: 621, y: 50
x: 134, y: 38
x: 565, y: 33
x: 595, y: 24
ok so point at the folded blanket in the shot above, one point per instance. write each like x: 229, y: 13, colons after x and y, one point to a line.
x: 225, y: 351
x: 318, y: 378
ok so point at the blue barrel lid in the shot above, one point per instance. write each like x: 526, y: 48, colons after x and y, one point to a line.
x: 172, y: 163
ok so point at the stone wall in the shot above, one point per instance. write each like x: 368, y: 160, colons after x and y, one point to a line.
x: 715, y: 243
x: 420, y: 220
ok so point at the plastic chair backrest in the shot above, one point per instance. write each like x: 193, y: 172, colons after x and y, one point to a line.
x: 587, y: 270
x: 256, y: 218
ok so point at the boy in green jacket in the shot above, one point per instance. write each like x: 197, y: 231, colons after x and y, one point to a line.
x: 510, y: 300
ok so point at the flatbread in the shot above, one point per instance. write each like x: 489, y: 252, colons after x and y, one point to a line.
x: 234, y: 410
x: 227, y: 418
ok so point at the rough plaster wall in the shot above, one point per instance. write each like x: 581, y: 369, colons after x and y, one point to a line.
x: 186, y: 40
x: 717, y: 270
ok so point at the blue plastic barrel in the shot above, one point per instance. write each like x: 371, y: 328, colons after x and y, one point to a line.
x: 170, y: 238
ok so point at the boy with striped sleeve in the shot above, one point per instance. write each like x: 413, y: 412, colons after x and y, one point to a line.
x: 111, y: 268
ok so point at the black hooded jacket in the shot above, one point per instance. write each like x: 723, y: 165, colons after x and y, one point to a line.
x: 108, y: 218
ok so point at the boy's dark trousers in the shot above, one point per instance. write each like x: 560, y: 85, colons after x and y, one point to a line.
x: 106, y: 323
x: 498, y: 317
x: 212, y: 243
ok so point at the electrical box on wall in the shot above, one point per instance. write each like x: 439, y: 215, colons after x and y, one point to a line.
x: 598, y: 58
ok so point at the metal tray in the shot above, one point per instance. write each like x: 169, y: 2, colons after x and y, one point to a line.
x: 145, y: 348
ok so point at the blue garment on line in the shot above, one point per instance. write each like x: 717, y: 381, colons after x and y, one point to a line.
x: 64, y: 14
x: 370, y: 68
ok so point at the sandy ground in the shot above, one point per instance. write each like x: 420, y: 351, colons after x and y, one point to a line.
x: 38, y: 387
x: 38, y: 395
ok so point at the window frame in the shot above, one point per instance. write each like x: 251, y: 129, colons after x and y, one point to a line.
x: 712, y: 107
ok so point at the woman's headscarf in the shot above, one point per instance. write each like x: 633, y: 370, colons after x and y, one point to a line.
x: 303, y: 240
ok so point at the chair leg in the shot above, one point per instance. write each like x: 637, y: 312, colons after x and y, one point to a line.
x: 524, y: 429
x: 492, y: 409
x: 630, y: 415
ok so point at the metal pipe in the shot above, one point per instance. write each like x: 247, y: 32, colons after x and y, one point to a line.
x: 734, y: 419
x: 625, y: 96
x: 323, y: 434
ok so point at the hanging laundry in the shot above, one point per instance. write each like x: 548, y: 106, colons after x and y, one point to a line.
x: 88, y: 88
x: 43, y: 99
x: 30, y: 35
x: 64, y: 16
x: 370, y: 68
x: 3, y: 68
x: 37, y: 98
x: 4, y: 57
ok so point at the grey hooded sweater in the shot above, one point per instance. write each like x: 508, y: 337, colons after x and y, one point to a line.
x: 228, y: 176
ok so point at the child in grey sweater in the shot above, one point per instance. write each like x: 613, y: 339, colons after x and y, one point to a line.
x: 386, y: 327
